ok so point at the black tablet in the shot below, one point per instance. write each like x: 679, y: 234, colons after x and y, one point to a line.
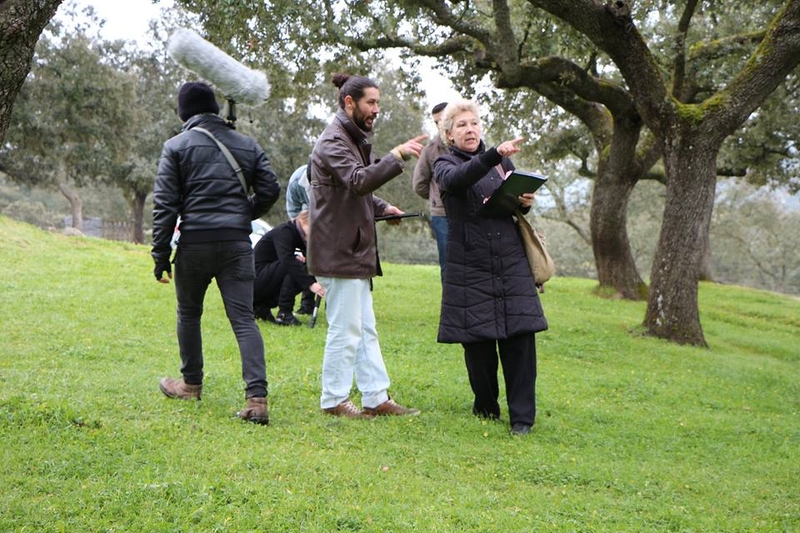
x: 520, y: 181
x: 505, y: 199
x: 395, y: 217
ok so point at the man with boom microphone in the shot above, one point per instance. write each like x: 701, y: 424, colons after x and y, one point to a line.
x: 342, y: 248
x: 198, y: 181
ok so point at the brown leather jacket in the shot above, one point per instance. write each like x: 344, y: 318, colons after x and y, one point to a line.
x: 341, y: 238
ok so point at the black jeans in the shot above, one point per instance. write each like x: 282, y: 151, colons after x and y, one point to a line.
x: 518, y: 357
x: 230, y: 263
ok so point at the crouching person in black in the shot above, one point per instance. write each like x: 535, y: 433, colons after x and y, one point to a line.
x: 281, y: 272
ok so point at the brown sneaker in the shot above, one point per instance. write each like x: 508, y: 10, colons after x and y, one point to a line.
x: 255, y: 411
x: 391, y: 408
x: 177, y: 388
x: 347, y: 409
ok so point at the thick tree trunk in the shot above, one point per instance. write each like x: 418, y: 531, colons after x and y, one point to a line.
x: 138, y: 217
x: 616, y: 267
x: 21, y: 23
x: 672, y: 307
x: 75, y: 202
x: 617, y: 174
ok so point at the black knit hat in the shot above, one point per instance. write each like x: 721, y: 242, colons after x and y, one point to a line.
x: 196, y: 97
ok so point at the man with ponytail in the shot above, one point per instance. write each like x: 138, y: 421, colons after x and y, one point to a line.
x: 342, y: 248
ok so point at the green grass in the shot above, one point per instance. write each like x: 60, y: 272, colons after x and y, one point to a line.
x: 633, y: 433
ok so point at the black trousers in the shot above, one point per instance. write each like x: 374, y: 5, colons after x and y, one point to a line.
x: 231, y: 265
x: 273, y: 287
x: 518, y: 357
x: 307, y: 301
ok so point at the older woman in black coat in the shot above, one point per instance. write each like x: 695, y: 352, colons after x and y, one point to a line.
x: 490, y: 303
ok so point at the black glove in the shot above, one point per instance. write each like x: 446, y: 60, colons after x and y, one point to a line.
x: 162, y: 266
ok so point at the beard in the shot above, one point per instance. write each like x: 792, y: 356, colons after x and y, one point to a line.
x: 362, y: 120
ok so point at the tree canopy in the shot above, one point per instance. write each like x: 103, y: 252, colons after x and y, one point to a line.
x: 84, y: 130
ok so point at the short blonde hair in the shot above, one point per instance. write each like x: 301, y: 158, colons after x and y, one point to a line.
x: 449, y: 114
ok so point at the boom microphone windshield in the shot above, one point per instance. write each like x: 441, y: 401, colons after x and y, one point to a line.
x: 234, y: 80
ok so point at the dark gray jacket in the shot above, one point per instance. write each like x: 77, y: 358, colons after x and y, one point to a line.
x: 196, y: 182
x: 488, y: 291
x: 422, y: 182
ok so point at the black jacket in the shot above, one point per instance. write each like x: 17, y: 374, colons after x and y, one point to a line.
x: 488, y: 291
x: 279, y: 245
x: 197, y: 182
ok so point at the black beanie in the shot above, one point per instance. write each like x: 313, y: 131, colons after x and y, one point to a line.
x: 196, y: 97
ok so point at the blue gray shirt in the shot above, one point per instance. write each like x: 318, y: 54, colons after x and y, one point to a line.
x: 297, y: 192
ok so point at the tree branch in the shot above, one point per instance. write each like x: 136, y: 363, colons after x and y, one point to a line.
x: 649, y: 152
x: 444, y: 16
x: 504, y: 51
x: 447, y: 47
x: 776, y: 56
x: 679, y: 69
x: 706, y: 50
x: 613, y: 32
x: 567, y: 74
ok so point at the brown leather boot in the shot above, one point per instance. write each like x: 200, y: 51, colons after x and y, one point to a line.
x: 255, y: 411
x: 179, y: 389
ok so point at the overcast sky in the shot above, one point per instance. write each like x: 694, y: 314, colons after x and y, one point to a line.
x: 126, y: 19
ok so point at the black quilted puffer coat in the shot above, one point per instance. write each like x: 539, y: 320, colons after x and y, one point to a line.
x: 196, y: 182
x: 488, y: 291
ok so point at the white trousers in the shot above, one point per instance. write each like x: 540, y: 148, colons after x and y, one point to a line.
x: 351, y: 347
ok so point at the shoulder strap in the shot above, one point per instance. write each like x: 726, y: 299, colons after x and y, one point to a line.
x: 228, y: 155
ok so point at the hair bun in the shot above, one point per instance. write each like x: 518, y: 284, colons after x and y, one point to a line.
x: 340, y: 79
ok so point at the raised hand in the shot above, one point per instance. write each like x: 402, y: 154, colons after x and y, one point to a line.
x: 509, y: 148
x: 410, y: 148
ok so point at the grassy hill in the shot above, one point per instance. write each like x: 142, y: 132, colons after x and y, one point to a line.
x: 633, y: 434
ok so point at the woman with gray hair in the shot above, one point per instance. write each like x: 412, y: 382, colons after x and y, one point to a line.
x: 490, y: 303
